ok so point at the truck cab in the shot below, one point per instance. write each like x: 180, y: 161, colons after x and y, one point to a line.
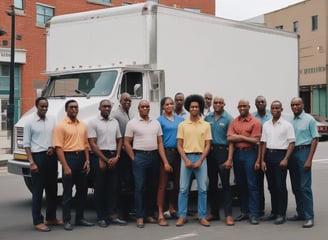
x: 89, y: 88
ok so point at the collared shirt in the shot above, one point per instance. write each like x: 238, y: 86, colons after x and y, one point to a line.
x: 184, y: 114
x: 194, y: 135
x: 248, y: 127
x: 305, y: 128
x: 106, y: 132
x: 219, y: 127
x: 122, y: 117
x: 278, y: 135
x: 144, y: 133
x: 71, y: 136
x: 38, y: 133
x: 265, y: 118
x: 170, y: 129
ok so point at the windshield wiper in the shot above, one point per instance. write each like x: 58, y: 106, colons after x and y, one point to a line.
x: 84, y: 94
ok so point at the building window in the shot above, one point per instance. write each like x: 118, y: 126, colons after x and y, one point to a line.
x: 315, y: 23
x: 43, y: 14
x: 295, y: 26
x: 104, y: 2
x: 280, y: 27
x: 19, y: 4
x: 4, y: 70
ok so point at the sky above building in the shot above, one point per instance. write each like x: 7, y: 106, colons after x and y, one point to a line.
x: 244, y: 9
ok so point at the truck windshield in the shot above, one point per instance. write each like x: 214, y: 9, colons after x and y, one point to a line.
x: 81, y: 84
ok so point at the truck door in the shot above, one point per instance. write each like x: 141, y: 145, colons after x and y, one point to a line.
x: 147, y: 85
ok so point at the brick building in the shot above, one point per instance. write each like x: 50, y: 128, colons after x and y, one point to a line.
x: 30, y: 41
x: 310, y: 20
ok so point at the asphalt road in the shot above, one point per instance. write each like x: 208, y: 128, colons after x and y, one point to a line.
x: 16, y: 221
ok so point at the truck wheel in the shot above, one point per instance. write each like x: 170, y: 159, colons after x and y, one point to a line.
x: 28, y: 183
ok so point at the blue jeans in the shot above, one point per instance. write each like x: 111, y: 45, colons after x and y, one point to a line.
x: 217, y: 157
x: 201, y: 177
x: 106, y: 189
x: 145, y: 168
x: 276, y: 177
x: 44, y: 179
x: 79, y: 179
x: 246, y: 178
x: 301, y: 181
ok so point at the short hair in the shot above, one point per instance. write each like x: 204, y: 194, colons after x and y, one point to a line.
x: 277, y: 101
x: 104, y: 100
x: 40, y: 99
x: 195, y: 98
x: 178, y: 93
x: 68, y: 102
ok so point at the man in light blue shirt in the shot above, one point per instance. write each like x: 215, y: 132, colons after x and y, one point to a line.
x: 262, y: 114
x: 43, y: 164
x: 300, y: 163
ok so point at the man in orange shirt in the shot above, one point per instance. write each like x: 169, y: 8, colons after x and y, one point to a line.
x: 71, y: 141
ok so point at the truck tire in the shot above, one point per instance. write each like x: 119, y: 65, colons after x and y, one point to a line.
x: 28, y: 183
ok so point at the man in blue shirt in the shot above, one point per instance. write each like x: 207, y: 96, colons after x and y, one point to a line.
x: 218, y: 161
x: 262, y: 114
x: 300, y: 163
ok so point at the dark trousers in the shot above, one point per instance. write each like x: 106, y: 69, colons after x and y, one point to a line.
x: 78, y: 178
x: 246, y: 178
x: 146, y: 173
x: 260, y: 179
x: 44, y: 179
x: 215, y: 159
x: 301, y: 181
x: 106, y: 190
x: 124, y: 167
x: 276, y: 177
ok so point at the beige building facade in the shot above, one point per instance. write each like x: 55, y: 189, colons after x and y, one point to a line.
x: 310, y: 20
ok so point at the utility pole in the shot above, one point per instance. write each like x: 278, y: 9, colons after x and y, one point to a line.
x: 11, y: 106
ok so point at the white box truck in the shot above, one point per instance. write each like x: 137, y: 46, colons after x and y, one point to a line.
x: 152, y: 51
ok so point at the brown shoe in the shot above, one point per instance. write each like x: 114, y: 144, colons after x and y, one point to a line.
x: 54, y: 222
x: 162, y: 222
x: 229, y: 221
x: 140, y: 223
x: 180, y: 222
x: 42, y: 227
x: 151, y: 220
x: 204, y: 222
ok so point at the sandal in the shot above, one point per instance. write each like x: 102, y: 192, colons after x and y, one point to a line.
x: 162, y: 222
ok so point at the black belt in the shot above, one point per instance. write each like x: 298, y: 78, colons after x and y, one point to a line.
x: 109, y: 151
x: 301, y: 147
x: 270, y: 150
x: 74, y: 152
x: 171, y: 149
x: 145, y: 152
x: 196, y: 153
x: 36, y: 153
x: 219, y: 147
x: 245, y: 148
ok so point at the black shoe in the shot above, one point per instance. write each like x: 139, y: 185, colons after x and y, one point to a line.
x: 119, y: 221
x: 241, y: 217
x: 261, y: 213
x: 268, y: 217
x: 85, y: 223
x: 308, y: 223
x: 254, y: 220
x: 295, y: 218
x: 68, y: 226
x: 102, y: 223
x: 280, y: 220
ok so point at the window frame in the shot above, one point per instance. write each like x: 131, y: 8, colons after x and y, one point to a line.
x: 45, y: 7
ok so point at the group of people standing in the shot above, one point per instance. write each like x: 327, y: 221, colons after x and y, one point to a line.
x: 190, y: 139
